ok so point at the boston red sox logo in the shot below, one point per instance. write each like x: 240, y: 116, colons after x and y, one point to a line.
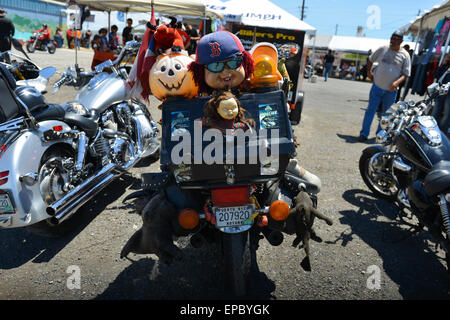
x: 215, y: 49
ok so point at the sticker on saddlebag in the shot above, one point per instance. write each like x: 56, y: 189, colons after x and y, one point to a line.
x: 268, y: 116
x: 179, y: 122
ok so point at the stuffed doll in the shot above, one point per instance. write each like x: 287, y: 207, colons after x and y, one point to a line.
x: 221, y: 63
x: 156, y: 41
x: 223, y: 111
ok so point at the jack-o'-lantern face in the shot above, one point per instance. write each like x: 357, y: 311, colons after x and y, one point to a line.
x: 169, y: 76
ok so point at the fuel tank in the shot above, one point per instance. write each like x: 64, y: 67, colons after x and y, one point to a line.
x: 417, y: 148
x: 102, y: 91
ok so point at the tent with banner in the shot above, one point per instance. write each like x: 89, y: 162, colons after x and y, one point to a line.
x: 262, y: 21
x: 260, y: 13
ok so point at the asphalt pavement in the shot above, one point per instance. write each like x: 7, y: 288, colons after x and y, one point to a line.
x: 366, y: 254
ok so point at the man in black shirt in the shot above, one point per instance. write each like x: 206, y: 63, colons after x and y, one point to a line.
x: 6, y: 31
x: 193, y: 35
x: 329, y: 59
x: 127, y: 34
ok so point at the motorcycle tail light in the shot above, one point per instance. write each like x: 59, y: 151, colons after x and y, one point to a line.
x: 231, y: 196
x: 279, y: 210
x: 58, y: 128
x: 3, y: 174
x: 188, y: 219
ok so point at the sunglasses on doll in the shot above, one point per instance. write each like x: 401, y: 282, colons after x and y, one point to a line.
x: 219, y: 66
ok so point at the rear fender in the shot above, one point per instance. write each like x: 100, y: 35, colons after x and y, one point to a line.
x: 23, y: 155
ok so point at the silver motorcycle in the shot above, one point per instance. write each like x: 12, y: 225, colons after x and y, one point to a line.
x: 54, y: 158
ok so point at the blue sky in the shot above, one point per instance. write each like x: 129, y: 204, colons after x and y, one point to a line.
x: 348, y: 14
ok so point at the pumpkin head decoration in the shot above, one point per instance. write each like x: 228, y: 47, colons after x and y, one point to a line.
x: 169, y: 76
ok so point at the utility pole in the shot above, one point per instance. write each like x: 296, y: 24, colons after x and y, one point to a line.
x: 303, y: 9
x: 335, y: 32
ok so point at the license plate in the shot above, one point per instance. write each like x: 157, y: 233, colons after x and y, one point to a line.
x: 233, y: 216
x: 5, y: 204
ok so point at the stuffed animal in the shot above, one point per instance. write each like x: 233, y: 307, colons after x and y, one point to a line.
x: 223, y: 111
x: 221, y: 62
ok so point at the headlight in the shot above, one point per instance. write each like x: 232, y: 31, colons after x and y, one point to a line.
x: 384, y: 122
x: 75, y: 107
x: 381, y: 137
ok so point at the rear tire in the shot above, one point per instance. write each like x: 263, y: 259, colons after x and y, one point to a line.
x: 44, y: 227
x: 239, y: 259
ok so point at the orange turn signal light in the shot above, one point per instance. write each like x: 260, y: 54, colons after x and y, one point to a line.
x: 279, y: 210
x: 188, y: 219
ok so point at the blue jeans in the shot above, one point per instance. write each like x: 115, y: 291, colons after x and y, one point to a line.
x: 376, y: 96
x: 328, y: 67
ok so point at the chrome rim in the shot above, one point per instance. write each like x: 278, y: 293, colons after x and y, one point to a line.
x: 379, y: 177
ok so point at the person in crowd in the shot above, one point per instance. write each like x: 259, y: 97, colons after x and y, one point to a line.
x: 352, y: 70
x: 69, y: 37
x: 103, y: 39
x: 400, y: 87
x: 58, y: 37
x: 45, y: 34
x: 441, y: 109
x: 95, y: 43
x: 7, y: 30
x: 87, y: 38
x: 194, y: 37
x: 78, y: 37
x: 394, y: 66
x: 113, y: 38
x: 328, y: 61
x: 127, y: 33
x: 183, y: 34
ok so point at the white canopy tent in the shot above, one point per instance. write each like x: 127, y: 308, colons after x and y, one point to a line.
x: 170, y: 7
x: 359, y: 44
x: 259, y: 13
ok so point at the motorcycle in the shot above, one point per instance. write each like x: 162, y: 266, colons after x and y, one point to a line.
x: 38, y: 42
x: 232, y: 206
x: 411, y: 167
x: 26, y: 72
x: 54, y: 158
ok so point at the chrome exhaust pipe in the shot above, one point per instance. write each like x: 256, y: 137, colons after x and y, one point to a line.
x: 67, y: 205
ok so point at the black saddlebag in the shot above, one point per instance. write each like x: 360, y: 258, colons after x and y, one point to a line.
x: 9, y: 106
x: 241, y: 163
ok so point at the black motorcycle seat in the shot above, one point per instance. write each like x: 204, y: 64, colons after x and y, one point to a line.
x: 86, y: 124
x: 437, y: 181
x: 48, y: 112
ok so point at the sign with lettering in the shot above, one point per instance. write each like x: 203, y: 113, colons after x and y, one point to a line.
x: 278, y: 37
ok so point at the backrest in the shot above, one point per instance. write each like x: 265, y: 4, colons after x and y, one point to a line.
x: 9, y: 106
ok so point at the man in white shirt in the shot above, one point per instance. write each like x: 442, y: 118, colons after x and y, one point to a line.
x: 394, y: 66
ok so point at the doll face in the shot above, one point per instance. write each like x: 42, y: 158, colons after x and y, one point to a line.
x: 228, y: 109
x: 227, y: 78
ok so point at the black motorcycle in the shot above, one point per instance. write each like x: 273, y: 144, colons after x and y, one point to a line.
x: 411, y: 167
